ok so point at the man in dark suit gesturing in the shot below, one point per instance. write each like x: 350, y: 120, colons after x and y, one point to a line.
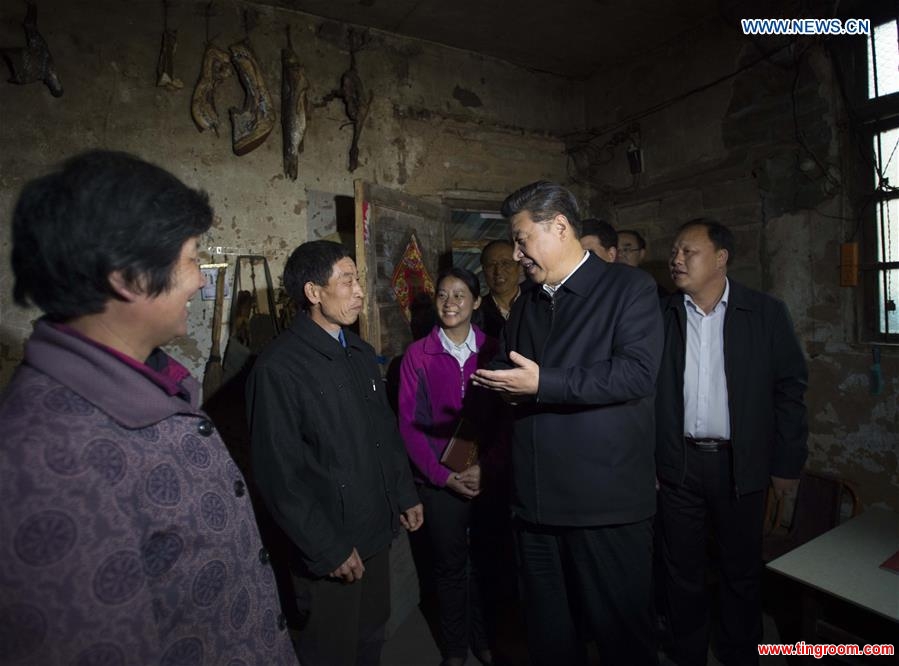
x: 730, y: 420
x: 579, y: 357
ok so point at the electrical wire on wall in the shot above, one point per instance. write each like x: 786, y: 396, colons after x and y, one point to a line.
x: 581, y: 146
x: 586, y: 153
x: 832, y: 185
x: 589, y: 155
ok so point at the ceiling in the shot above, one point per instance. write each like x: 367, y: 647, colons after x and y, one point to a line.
x: 570, y: 38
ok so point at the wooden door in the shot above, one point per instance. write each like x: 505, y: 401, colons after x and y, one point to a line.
x: 385, y: 223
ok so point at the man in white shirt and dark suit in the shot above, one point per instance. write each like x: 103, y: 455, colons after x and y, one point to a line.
x: 730, y: 421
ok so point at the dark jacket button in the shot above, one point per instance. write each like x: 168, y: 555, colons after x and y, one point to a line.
x: 263, y: 556
x: 282, y: 622
x: 205, y: 427
x: 239, y: 488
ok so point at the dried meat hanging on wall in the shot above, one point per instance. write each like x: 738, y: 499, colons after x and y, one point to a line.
x: 253, y: 122
x: 216, y: 68
x: 33, y: 62
x: 294, y: 87
x: 352, y: 92
x: 165, y: 67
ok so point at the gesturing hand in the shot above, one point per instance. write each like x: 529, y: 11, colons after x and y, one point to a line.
x: 522, y: 380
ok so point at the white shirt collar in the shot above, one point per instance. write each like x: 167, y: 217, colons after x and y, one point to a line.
x: 551, y: 290
x: 722, y: 303
x: 451, y: 346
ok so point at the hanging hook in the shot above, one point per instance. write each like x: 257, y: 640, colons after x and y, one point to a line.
x: 249, y: 20
x: 208, y: 14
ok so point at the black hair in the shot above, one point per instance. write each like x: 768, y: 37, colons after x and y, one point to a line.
x: 641, y: 242
x: 544, y: 200
x: 722, y: 237
x: 311, y: 262
x: 101, y: 212
x: 470, y: 279
x: 604, y: 231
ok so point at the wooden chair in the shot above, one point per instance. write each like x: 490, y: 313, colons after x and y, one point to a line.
x: 819, y: 500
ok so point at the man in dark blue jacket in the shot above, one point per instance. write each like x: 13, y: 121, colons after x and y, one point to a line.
x: 328, y: 460
x: 579, y: 357
x: 730, y: 421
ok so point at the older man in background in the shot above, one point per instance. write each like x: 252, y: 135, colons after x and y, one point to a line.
x: 503, y: 276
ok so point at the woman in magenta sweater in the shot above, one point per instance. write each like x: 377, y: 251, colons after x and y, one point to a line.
x: 435, y: 392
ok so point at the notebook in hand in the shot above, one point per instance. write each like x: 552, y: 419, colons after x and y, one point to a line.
x: 462, y: 450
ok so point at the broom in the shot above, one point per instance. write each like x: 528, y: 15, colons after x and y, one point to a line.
x: 212, y: 377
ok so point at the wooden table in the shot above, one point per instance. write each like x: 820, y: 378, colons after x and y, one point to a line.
x: 845, y: 563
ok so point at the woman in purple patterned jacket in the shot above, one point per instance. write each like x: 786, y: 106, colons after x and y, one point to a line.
x: 128, y: 534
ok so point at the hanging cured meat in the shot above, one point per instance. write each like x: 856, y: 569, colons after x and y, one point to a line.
x: 216, y: 68
x: 352, y: 92
x: 33, y: 62
x: 356, y: 104
x: 294, y: 87
x: 251, y: 124
x: 165, y: 68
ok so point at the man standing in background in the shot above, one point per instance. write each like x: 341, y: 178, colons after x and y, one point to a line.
x: 600, y: 238
x: 631, y: 248
x: 503, y: 275
x: 632, y: 251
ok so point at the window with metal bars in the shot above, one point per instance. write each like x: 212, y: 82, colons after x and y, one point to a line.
x: 883, y: 237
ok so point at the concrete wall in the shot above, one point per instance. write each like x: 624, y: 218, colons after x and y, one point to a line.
x: 730, y: 151
x: 444, y: 124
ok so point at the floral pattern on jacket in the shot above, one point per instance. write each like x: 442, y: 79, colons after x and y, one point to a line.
x: 129, y: 537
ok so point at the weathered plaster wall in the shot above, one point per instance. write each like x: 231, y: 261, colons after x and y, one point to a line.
x: 730, y: 151
x: 444, y: 124
x: 450, y: 124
